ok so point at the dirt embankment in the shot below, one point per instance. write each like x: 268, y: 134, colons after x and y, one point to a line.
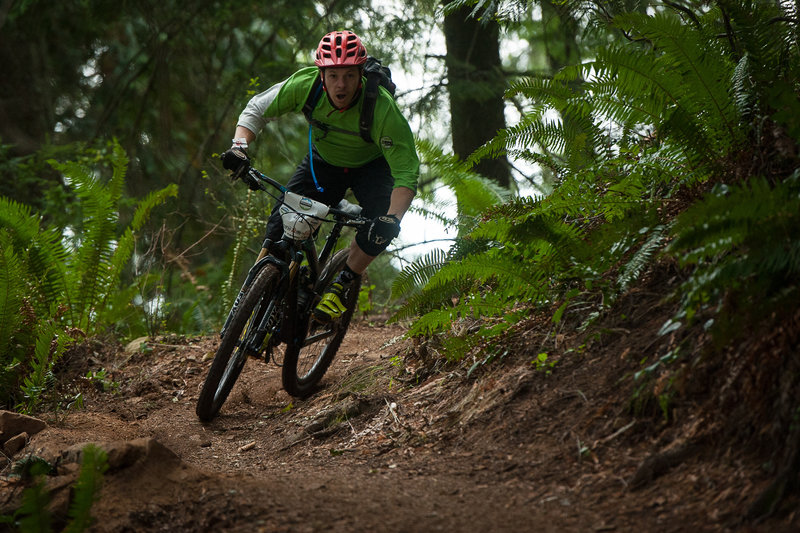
x: 394, y: 441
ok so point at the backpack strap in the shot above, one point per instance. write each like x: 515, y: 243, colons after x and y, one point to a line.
x: 368, y: 108
x: 311, y: 102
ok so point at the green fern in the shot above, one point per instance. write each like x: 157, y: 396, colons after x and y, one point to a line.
x: 12, y: 289
x: 417, y: 274
x: 86, y: 490
x: 91, y: 274
x: 43, y: 253
x: 49, y: 347
x: 475, y: 306
x: 33, y: 515
x: 74, y: 286
x: 98, y: 254
x: 743, y: 238
x: 642, y: 258
x: 625, y: 136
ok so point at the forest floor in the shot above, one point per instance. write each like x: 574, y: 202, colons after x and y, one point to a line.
x: 394, y: 441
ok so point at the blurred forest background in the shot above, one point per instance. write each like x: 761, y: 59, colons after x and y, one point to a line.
x: 570, y: 147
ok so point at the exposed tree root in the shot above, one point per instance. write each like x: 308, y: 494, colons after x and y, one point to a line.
x: 658, y: 464
x: 787, y: 481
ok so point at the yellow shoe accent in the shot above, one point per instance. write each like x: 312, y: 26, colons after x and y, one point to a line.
x: 330, y: 308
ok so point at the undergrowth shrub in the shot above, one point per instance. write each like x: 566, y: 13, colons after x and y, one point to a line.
x: 60, y: 284
x: 691, y: 114
x: 34, y: 515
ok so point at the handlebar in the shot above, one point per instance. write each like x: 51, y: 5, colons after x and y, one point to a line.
x: 345, y: 209
x: 256, y: 175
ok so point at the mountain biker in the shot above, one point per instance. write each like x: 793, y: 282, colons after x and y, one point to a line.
x: 382, y: 174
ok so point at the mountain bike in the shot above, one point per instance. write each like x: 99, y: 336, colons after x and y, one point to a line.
x: 275, y: 303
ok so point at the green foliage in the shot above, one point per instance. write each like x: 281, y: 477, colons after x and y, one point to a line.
x: 34, y: 516
x: 87, y: 488
x: 169, y: 80
x: 649, y: 120
x: 58, y: 283
x: 742, y: 239
x: 365, y: 298
x: 542, y: 364
x: 49, y: 347
x: 12, y: 290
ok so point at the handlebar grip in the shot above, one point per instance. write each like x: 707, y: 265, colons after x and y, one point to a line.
x: 349, y: 208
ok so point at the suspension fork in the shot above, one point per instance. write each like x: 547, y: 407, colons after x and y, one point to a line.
x: 288, y: 298
x: 251, y: 275
x: 267, y: 323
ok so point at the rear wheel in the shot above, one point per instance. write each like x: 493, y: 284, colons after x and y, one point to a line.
x: 235, y: 345
x: 306, y: 362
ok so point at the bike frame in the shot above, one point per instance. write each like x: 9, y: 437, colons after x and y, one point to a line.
x: 295, y: 251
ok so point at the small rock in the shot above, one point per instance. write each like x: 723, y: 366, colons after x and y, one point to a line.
x: 12, y: 424
x: 136, y: 344
x: 15, y: 444
x: 122, y: 454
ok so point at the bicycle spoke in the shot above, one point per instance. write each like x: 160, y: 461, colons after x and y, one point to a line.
x: 307, y: 361
x: 234, y: 367
x: 235, y: 345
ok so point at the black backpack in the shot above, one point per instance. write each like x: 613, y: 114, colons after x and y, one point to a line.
x: 377, y: 75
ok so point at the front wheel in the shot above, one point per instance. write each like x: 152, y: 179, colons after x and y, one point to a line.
x: 306, y: 361
x: 235, y: 345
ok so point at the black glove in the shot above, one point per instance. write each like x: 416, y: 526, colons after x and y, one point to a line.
x: 235, y: 159
x: 373, y: 238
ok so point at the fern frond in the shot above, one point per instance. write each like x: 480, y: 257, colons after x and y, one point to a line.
x: 476, y: 306
x: 94, y: 464
x: 417, y: 274
x: 11, y: 292
x: 34, y: 513
x: 90, y: 261
x: 506, y: 273
x: 431, y: 298
x: 685, y: 54
x: 46, y: 354
x: 637, y: 264
x: 45, y: 254
x: 473, y: 192
x: 743, y: 238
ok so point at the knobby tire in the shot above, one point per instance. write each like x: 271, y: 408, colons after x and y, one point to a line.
x: 231, y: 356
x: 306, y: 362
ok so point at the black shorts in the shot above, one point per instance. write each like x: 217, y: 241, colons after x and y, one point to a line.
x: 371, y: 184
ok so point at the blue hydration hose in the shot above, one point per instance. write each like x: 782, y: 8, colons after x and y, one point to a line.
x: 311, y: 162
x: 310, y: 152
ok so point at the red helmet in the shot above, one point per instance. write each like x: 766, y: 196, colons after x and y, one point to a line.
x: 340, y: 49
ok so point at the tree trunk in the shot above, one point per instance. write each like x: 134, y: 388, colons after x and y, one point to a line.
x: 476, y: 86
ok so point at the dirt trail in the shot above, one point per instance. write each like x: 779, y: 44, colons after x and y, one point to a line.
x: 386, y: 445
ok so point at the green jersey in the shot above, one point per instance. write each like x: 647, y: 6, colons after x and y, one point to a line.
x: 342, y: 145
